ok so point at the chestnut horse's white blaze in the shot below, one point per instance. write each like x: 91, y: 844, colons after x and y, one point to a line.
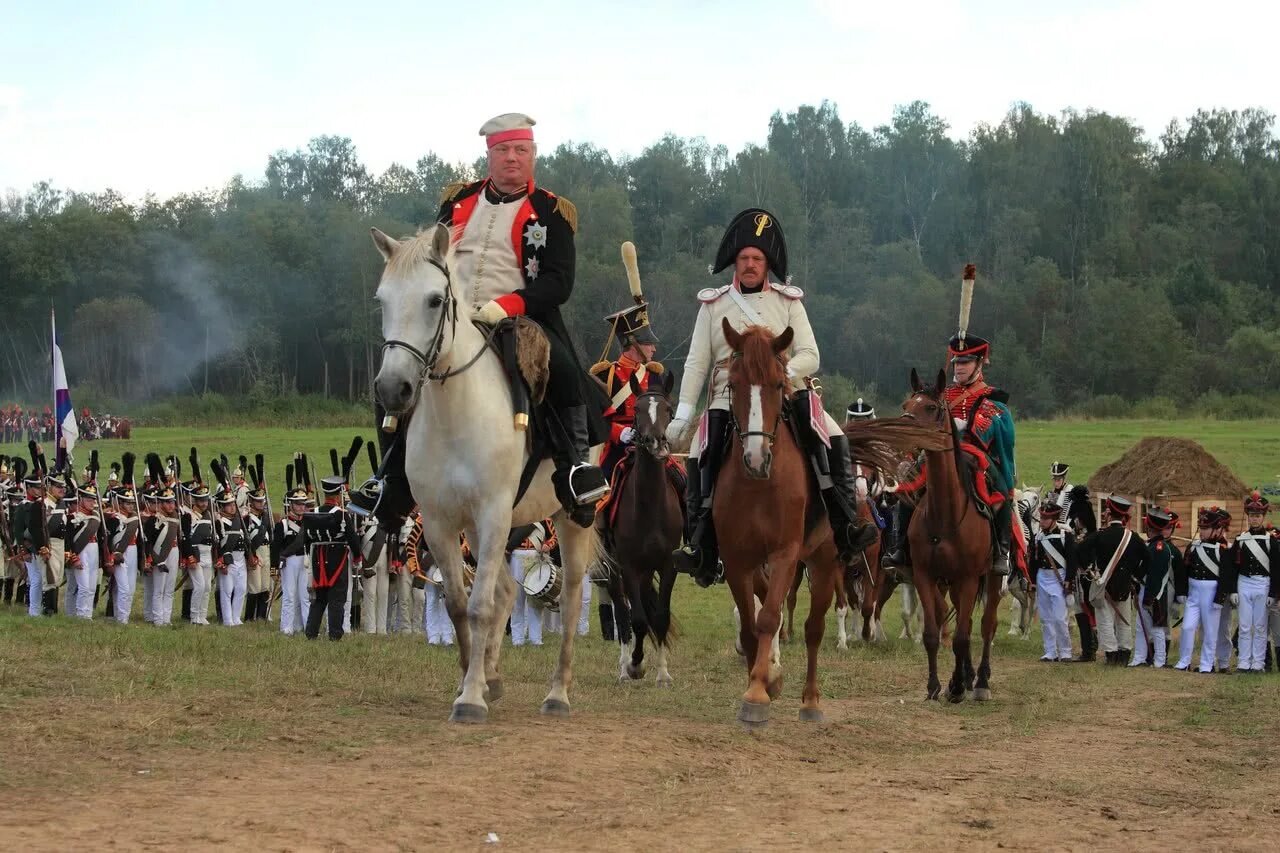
x: 463, y: 458
x: 754, y: 446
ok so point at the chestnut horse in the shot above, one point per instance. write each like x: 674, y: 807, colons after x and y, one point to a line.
x: 950, y: 549
x: 771, y: 507
x: 647, y: 531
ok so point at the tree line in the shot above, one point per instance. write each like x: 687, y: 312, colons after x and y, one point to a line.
x: 1112, y: 267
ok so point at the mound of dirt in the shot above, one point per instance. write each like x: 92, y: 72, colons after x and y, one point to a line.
x: 1167, y: 466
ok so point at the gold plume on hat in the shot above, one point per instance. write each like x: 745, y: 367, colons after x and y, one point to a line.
x: 966, y: 299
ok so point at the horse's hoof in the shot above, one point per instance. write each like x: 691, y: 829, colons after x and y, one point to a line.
x: 493, y: 690
x: 932, y: 694
x: 555, y: 708
x: 753, y: 715
x: 665, y: 681
x: 811, y: 715
x: 982, y: 694
x: 844, y: 647
x: 465, y: 712
x: 955, y: 698
x: 635, y: 673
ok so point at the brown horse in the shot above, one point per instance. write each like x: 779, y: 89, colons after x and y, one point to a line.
x: 857, y: 583
x: 646, y: 533
x: 950, y: 549
x: 771, y: 516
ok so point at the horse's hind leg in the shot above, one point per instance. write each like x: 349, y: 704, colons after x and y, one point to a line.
x: 788, y: 630
x: 504, y: 597
x: 577, y: 549
x: 842, y: 610
x: 982, y: 687
x: 823, y: 574
x: 962, y: 596
x: 662, y: 628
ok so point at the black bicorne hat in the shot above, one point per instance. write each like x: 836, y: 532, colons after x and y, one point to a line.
x: 754, y: 228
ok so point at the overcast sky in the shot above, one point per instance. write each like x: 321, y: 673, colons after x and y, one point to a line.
x: 151, y: 97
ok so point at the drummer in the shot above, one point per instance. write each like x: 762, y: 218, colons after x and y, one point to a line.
x: 525, y: 546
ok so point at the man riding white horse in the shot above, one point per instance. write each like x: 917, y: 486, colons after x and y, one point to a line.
x: 513, y: 250
x: 755, y: 247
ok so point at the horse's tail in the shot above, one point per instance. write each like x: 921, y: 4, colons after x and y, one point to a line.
x: 880, y: 444
x: 663, y: 622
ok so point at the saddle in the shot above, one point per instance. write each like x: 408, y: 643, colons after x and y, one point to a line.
x: 975, y: 475
x: 608, y: 506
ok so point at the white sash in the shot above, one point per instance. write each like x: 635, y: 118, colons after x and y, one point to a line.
x: 1264, y: 559
x: 1210, y: 564
x: 747, y: 310
x: 1115, y: 558
x: 625, y: 391
x: 1054, y: 553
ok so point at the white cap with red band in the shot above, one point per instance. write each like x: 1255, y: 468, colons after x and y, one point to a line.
x: 507, y: 128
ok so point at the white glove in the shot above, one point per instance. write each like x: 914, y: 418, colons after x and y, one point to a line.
x: 1235, y: 599
x: 679, y: 426
x: 1271, y: 604
x: 627, y: 435
x: 1071, y: 600
x: 490, y: 313
x: 1004, y: 586
x: 1182, y: 599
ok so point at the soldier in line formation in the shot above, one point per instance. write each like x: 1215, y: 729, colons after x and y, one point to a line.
x: 1137, y: 588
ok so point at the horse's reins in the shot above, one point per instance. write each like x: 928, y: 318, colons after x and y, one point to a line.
x: 427, y: 360
x: 954, y: 449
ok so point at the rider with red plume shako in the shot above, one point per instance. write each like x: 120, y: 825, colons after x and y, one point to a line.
x: 513, y: 249
x: 984, y: 426
x: 755, y: 247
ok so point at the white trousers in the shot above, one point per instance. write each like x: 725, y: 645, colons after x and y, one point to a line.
x: 1199, y: 613
x: 399, y: 601
x: 1253, y: 622
x: 163, y: 583
x: 526, y: 613
x: 148, y: 590
x: 87, y: 574
x: 1115, y: 624
x: 126, y: 573
x: 35, y: 588
x: 294, y: 602
x: 1223, y: 647
x: 1143, y: 639
x: 201, y: 580
x: 1051, y: 600
x: 435, y: 618
x: 373, y: 606
x: 231, y: 589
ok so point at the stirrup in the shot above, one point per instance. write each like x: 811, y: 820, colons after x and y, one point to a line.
x: 592, y: 495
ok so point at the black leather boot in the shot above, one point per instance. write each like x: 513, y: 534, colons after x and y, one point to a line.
x: 700, y: 555
x: 1004, y: 536
x: 853, y: 533
x: 579, y: 484
x: 900, y: 556
x: 1088, y: 640
x: 49, y: 599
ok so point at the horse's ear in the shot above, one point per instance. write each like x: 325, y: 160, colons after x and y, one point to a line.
x: 731, y: 335
x: 942, y: 381
x: 668, y: 382
x: 916, y: 385
x: 440, y: 240
x: 385, y: 244
x: 635, y: 386
x: 782, y: 342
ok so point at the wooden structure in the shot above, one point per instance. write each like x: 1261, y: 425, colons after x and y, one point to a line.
x: 1175, y: 473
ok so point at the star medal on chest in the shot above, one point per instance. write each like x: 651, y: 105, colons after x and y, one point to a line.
x: 531, y: 268
x: 535, y: 234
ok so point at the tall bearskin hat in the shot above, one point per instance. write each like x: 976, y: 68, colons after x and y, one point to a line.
x: 754, y: 228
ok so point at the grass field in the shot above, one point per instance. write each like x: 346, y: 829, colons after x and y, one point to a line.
x: 133, y: 736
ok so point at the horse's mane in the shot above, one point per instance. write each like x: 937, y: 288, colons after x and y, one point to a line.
x: 758, y: 358
x: 417, y: 250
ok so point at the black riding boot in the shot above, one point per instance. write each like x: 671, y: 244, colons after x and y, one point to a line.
x: 852, y: 532
x: 49, y: 599
x: 606, y: 623
x: 700, y: 555
x: 900, y: 556
x: 579, y: 484
x: 1004, y: 536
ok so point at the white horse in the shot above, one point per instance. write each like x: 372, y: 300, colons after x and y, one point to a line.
x: 1022, y: 608
x: 463, y: 459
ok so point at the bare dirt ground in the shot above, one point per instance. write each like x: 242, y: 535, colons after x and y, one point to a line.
x: 881, y: 773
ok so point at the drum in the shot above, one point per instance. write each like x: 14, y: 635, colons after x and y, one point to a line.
x: 435, y: 577
x: 542, y: 582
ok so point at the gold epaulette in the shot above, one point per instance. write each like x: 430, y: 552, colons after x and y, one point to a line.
x: 565, y: 208
x: 451, y: 191
x: 655, y: 367
x: 600, y: 367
